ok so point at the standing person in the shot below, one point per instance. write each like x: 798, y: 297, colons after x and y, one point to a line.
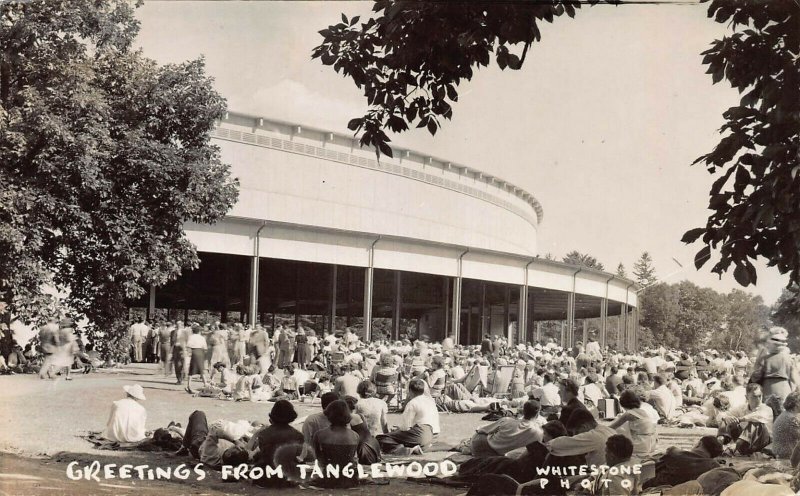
x: 137, y: 333
x: 349, y: 339
x: 312, y: 344
x: 487, y: 347
x: 178, y: 339
x: 196, y: 344
x: 241, y: 336
x: 219, y: 347
x: 48, y: 339
x: 291, y: 335
x: 165, y: 343
x: 301, y: 341
x: 283, y: 348
x: 775, y: 370
x: 64, y: 355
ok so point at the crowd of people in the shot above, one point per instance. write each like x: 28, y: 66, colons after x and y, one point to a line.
x: 548, y: 406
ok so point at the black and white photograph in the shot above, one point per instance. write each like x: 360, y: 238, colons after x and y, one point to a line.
x: 400, y: 247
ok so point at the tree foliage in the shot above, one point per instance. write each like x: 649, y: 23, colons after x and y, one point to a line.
x: 583, y: 259
x: 786, y: 313
x: 103, y: 156
x: 686, y: 316
x: 644, y: 271
x: 410, y: 57
x: 755, y: 201
x: 621, y: 270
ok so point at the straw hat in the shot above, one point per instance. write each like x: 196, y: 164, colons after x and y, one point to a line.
x: 134, y: 391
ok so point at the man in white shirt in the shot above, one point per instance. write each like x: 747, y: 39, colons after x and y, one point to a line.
x: 549, y: 395
x: 662, y: 398
x: 508, y: 434
x: 751, y: 426
x: 127, y: 419
x: 138, y: 332
x: 420, y: 424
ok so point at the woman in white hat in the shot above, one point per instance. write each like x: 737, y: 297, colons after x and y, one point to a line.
x: 127, y: 419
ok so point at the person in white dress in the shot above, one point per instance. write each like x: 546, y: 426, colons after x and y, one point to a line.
x: 128, y: 417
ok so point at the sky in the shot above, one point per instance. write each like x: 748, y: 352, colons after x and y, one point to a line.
x: 601, y: 124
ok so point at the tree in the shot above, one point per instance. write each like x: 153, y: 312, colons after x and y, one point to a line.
x: 621, y: 270
x: 103, y: 156
x: 643, y: 271
x: 755, y: 201
x: 746, y: 317
x: 786, y: 313
x: 410, y: 57
x: 685, y: 316
x: 583, y: 259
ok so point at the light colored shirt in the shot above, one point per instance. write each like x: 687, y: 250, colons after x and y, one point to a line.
x: 548, y: 395
x: 664, y: 400
x: 213, y: 448
x: 374, y: 411
x: 508, y: 433
x: 197, y: 341
x: 591, y: 443
x: 421, y: 411
x: 126, y: 422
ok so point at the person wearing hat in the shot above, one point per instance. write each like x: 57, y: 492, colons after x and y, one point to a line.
x: 775, y: 369
x: 127, y: 419
x: 278, y: 433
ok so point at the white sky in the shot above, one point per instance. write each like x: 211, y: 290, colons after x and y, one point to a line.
x: 601, y: 124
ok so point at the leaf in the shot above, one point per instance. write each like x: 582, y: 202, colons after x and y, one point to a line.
x: 385, y: 148
x: 741, y: 275
x: 692, y: 235
x: 344, y: 19
x: 702, y: 256
x: 432, y: 127
x: 354, y: 124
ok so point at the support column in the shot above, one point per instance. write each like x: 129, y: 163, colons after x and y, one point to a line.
x: 585, y: 332
x: 334, y: 285
x: 563, y: 330
x: 635, y: 328
x: 570, y: 318
x: 368, y: 276
x: 522, y: 314
x: 253, y: 306
x: 397, y: 304
x: 539, y: 332
x: 507, y: 315
x: 456, y: 317
x: 368, y: 280
x: 151, y: 305
x: 446, y: 301
x: 624, y: 338
x: 603, y: 322
x: 482, y: 315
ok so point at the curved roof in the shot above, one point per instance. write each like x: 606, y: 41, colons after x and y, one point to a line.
x: 476, y: 174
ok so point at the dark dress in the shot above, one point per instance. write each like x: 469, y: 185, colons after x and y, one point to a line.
x: 197, y: 363
x: 340, y: 454
x: 369, y: 450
